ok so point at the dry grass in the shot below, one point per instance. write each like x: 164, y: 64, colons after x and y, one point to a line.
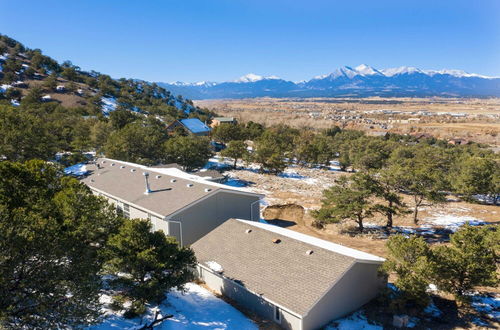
x: 481, y: 124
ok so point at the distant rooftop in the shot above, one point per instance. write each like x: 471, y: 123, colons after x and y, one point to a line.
x: 223, y: 119
x: 195, y: 125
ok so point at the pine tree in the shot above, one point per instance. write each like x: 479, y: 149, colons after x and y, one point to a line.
x: 408, y: 258
x: 53, y: 232
x: 349, y: 199
x: 469, y: 261
x: 236, y: 150
x: 147, y: 264
x: 188, y: 151
x: 478, y: 175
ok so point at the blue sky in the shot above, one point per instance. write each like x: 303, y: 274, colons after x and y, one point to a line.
x: 216, y: 40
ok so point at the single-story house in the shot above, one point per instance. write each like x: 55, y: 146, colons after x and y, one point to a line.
x: 192, y: 126
x: 216, y: 121
x: 296, y: 280
x: 182, y: 205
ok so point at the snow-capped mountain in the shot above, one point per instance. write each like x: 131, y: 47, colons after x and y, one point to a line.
x: 361, y: 81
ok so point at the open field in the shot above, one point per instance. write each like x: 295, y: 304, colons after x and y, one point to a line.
x: 477, y: 120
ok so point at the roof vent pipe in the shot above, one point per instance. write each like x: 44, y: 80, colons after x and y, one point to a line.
x: 146, y: 177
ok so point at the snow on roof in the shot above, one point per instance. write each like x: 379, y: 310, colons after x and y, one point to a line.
x: 195, y: 125
x: 356, y: 254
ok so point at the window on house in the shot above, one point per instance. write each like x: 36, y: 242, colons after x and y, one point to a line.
x: 126, y: 211
x: 277, y: 314
x: 119, y: 209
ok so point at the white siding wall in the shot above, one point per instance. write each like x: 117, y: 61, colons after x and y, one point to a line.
x: 201, y: 218
x: 357, y: 287
x: 247, y: 299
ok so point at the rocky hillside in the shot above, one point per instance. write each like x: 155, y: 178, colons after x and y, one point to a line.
x: 25, y: 71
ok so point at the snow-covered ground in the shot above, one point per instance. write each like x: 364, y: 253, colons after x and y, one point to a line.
x: 77, y: 169
x: 451, y: 221
x: 108, y: 105
x: 488, y: 305
x: 354, y: 321
x: 197, y: 308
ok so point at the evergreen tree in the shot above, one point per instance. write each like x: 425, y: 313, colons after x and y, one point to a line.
x: 480, y: 176
x: 349, y: 199
x: 386, y: 185
x: 236, y: 150
x: 146, y: 264
x: 25, y: 135
x: 227, y: 132
x: 469, y: 261
x: 53, y: 232
x: 270, y: 152
x: 121, y: 118
x: 408, y: 258
x: 139, y: 142
x: 420, y: 172
x: 188, y: 151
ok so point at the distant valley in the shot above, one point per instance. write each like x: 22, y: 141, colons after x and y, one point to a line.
x: 361, y: 81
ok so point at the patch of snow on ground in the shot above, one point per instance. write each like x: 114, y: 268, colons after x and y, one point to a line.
x: 4, y: 87
x: 77, y: 169
x: 197, y: 308
x: 353, y: 321
x: 451, y: 221
x: 108, y: 104
x: 235, y: 182
x: 487, y: 305
x: 290, y: 174
x: 432, y: 310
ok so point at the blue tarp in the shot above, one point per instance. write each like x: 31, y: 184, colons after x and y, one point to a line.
x: 194, y: 125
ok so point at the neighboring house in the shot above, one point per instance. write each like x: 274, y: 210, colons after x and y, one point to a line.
x: 222, y: 120
x: 192, y: 126
x: 182, y: 205
x: 298, y: 281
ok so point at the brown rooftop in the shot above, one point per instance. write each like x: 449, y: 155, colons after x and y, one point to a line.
x: 291, y: 273
x: 125, y: 181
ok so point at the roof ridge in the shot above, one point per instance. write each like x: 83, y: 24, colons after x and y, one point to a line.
x: 318, y: 242
x: 179, y: 174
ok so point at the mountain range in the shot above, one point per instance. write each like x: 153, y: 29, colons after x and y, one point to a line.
x: 361, y: 81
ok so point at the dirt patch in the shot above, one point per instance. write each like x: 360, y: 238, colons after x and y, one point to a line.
x: 284, y: 215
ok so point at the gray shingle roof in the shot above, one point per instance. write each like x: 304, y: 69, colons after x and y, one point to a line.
x: 283, y: 273
x: 167, y: 197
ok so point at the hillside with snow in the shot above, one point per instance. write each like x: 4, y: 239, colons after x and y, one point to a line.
x: 23, y: 70
x: 360, y: 81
